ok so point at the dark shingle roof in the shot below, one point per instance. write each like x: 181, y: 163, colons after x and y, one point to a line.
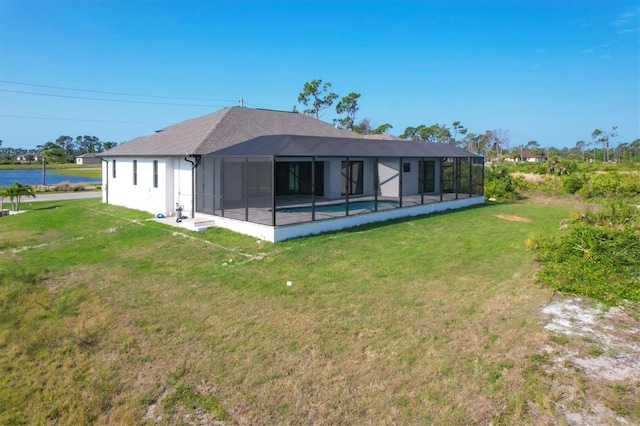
x: 222, y: 129
x: 292, y: 146
x: 246, y: 131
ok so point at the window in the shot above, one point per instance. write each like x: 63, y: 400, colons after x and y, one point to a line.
x: 351, y: 177
x: 407, y: 167
x: 448, y: 175
x: 295, y: 178
x: 427, y: 176
x: 155, y: 173
x: 113, y: 169
x: 135, y: 172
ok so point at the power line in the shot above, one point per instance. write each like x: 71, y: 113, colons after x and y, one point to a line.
x: 254, y: 105
x: 115, y: 93
x: 78, y: 119
x: 108, y: 100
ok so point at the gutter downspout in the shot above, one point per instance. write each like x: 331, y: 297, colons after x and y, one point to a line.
x: 194, y: 164
x: 106, y: 185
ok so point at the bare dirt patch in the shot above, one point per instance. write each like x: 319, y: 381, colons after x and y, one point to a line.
x: 530, y: 177
x: 513, y: 218
x: 602, y: 348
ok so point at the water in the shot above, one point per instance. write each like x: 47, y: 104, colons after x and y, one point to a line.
x: 340, y: 207
x: 34, y: 177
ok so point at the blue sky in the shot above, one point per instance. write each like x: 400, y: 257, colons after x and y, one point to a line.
x: 550, y: 71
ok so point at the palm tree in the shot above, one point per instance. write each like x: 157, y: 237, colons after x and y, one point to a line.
x: 15, y: 193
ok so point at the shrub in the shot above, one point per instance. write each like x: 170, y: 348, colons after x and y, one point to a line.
x: 551, y: 185
x: 611, y: 185
x: 500, y: 184
x: 68, y: 187
x: 598, y: 256
x: 573, y: 183
x: 15, y: 193
x: 63, y: 186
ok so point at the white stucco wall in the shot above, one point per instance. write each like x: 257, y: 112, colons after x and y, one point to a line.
x: 182, y: 186
x: 333, y: 176
x: 410, y: 179
x: 388, y: 174
x: 174, y: 184
x: 332, y: 172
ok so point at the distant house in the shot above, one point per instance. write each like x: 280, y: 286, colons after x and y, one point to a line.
x: 277, y: 175
x: 529, y: 157
x: 89, y: 158
x: 27, y: 158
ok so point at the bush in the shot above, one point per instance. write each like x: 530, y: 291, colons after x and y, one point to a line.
x: 573, y: 183
x: 499, y: 184
x: 15, y: 193
x: 598, y: 256
x: 68, y: 187
x: 611, y: 185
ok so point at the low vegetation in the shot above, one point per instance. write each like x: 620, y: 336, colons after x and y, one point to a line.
x: 587, y: 181
x: 15, y: 193
x: 111, y: 318
x: 598, y: 255
x: 107, y: 316
x: 68, y: 187
x: 501, y: 184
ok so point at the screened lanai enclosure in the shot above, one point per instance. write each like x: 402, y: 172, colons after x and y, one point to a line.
x: 275, y: 181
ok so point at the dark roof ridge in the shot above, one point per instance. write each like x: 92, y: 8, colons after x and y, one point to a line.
x: 214, y: 127
x: 276, y: 110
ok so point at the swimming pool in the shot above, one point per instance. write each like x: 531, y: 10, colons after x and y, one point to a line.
x: 340, y: 207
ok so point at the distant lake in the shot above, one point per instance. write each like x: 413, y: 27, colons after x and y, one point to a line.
x: 34, y: 177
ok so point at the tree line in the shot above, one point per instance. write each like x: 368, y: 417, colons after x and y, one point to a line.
x: 63, y: 150
x: 316, y: 97
x: 493, y: 144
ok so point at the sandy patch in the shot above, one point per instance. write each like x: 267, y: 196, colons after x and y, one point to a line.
x: 614, y: 336
x: 513, y: 218
x: 530, y: 177
x: 615, y: 332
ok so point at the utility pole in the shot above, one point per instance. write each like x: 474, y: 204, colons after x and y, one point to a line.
x: 520, y: 135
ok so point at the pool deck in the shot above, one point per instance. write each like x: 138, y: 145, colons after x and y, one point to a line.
x: 292, y: 225
x: 264, y: 215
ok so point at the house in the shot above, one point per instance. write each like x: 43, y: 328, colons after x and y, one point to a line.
x: 530, y: 157
x: 88, y: 158
x: 277, y: 175
x: 27, y: 158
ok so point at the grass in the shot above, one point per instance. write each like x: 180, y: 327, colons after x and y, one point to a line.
x: 598, y: 256
x: 106, y: 317
x: 50, y: 166
x: 91, y: 173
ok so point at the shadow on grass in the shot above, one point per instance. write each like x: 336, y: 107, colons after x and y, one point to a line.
x: 55, y: 206
x: 405, y: 219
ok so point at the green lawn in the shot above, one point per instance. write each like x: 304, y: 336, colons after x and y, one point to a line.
x: 50, y: 166
x: 94, y: 172
x: 85, y: 170
x: 108, y: 317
